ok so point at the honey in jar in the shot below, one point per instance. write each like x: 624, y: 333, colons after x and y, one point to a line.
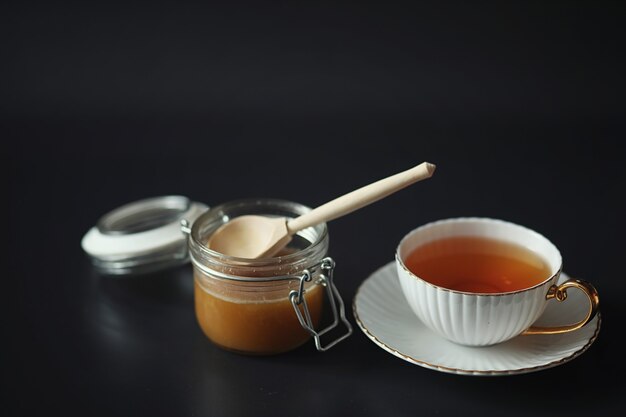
x: 248, y: 305
x: 255, y: 322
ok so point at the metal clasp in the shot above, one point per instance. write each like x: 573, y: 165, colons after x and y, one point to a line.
x: 297, y: 299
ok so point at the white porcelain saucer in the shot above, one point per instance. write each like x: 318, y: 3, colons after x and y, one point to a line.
x: 384, y: 315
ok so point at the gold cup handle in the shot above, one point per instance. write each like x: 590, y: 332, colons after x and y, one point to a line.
x: 559, y: 292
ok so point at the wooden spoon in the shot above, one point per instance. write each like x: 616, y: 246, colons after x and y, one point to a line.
x: 253, y: 236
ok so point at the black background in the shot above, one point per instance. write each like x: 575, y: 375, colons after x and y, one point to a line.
x: 520, y: 105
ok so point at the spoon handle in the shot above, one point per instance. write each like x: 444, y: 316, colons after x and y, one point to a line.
x: 361, y: 197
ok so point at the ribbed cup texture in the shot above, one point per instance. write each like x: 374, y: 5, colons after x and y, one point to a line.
x: 473, y: 319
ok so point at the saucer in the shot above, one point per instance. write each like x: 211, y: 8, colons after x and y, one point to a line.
x: 384, y: 315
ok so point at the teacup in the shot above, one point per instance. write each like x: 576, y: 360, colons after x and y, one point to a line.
x: 468, y: 314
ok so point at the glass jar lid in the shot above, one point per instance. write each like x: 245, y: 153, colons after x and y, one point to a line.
x: 142, y: 236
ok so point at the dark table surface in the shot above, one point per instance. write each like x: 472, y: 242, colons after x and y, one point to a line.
x: 520, y: 106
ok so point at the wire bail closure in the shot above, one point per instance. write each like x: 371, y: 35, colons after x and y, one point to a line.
x: 297, y: 299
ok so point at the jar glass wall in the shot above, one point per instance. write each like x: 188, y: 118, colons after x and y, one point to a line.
x: 244, y: 305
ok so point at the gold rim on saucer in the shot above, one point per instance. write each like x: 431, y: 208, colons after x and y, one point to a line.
x: 393, y: 287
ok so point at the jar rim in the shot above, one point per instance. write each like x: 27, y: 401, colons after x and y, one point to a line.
x: 297, y: 208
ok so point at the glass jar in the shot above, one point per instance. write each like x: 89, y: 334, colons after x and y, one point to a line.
x: 267, y: 305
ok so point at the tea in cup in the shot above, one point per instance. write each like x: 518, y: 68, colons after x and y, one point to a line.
x: 480, y: 281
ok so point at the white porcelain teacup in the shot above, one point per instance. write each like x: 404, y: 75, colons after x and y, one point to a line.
x: 479, y: 318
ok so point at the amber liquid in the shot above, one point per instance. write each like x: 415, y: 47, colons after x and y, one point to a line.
x: 253, y: 324
x: 477, y: 265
